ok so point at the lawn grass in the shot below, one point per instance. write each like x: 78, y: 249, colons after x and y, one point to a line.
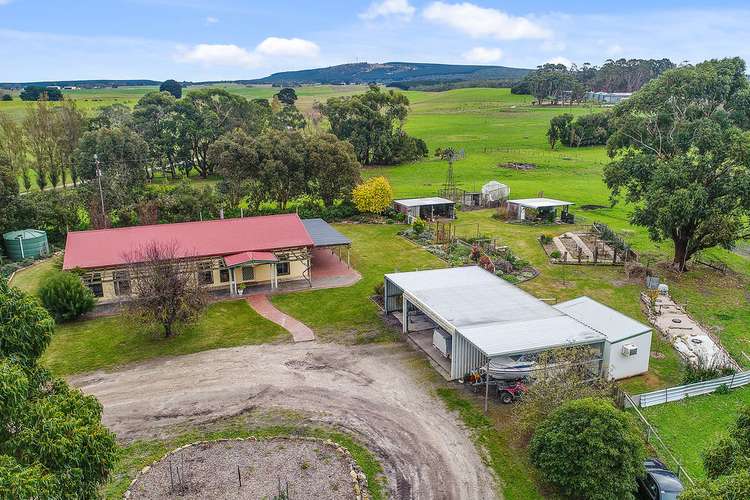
x: 110, y: 342
x: 347, y: 314
x: 136, y: 455
x: 493, y: 436
x: 688, y: 427
x: 29, y: 279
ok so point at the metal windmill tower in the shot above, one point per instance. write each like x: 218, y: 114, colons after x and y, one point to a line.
x: 449, y: 189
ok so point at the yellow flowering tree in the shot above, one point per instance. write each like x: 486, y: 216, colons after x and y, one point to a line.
x: 373, y: 196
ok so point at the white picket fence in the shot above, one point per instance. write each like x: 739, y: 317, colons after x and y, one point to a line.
x: 685, y: 391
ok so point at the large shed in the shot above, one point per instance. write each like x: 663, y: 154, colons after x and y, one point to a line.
x: 488, y: 318
x: 426, y: 208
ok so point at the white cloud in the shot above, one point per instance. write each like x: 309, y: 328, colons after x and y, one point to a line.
x: 4, y: 2
x: 209, y: 19
x: 483, y: 55
x: 480, y: 22
x: 401, y: 8
x: 234, y: 55
x: 218, y: 55
x: 287, y: 47
x: 561, y: 60
x: 614, y: 50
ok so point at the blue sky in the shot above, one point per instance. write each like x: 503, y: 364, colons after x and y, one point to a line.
x: 230, y: 39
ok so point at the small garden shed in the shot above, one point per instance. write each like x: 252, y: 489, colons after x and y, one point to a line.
x: 545, y: 209
x: 426, y: 208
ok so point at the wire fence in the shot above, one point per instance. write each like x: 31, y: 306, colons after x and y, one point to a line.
x: 654, y: 440
x: 685, y: 391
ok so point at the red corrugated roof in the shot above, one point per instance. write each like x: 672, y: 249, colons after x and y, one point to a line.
x: 243, y: 257
x: 110, y: 247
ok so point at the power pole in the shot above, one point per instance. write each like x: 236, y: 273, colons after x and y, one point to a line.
x: 99, y: 178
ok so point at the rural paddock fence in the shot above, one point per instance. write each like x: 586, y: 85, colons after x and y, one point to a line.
x: 655, y: 440
x: 685, y: 391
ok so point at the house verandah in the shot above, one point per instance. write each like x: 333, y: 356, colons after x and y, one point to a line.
x: 259, y: 269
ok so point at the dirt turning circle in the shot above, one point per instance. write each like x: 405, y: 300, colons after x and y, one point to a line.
x: 373, y: 392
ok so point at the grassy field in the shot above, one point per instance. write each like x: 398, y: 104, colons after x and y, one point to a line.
x: 347, y: 314
x: 106, y: 343
x: 688, y: 427
x: 494, y: 126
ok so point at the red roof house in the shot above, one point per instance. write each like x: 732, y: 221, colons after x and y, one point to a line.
x: 215, y: 238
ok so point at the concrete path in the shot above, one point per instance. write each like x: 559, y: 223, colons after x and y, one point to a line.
x: 300, y: 332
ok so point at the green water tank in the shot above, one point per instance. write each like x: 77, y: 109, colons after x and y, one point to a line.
x: 26, y: 244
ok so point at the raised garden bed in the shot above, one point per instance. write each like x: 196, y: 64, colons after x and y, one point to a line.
x: 594, y: 247
x: 253, y: 468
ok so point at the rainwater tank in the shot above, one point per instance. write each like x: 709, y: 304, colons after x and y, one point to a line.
x: 26, y: 244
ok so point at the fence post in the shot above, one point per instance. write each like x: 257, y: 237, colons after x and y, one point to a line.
x: 731, y: 382
x: 666, y: 395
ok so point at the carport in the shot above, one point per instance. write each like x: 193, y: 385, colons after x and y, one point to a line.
x: 426, y: 208
x: 486, y: 316
x: 325, y: 236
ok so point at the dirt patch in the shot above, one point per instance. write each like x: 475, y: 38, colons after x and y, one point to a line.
x: 249, y: 469
x: 591, y: 207
x: 372, y: 392
x: 517, y: 166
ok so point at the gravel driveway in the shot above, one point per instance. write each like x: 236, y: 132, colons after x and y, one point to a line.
x: 370, y: 391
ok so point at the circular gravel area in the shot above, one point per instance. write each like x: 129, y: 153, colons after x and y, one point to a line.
x: 313, y: 469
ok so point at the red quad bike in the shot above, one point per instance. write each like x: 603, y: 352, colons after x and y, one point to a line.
x: 510, y: 391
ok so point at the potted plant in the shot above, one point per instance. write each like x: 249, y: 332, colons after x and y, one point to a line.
x: 241, y: 288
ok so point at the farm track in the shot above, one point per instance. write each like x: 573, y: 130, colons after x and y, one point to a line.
x: 370, y: 391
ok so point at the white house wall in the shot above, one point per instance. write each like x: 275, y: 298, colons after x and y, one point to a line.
x: 620, y: 366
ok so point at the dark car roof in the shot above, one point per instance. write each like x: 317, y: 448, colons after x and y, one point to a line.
x: 666, y: 480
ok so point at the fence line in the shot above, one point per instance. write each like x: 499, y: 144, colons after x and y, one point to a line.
x: 653, y: 438
x: 684, y: 391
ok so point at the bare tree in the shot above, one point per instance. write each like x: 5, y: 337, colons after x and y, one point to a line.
x: 561, y: 375
x: 165, y: 286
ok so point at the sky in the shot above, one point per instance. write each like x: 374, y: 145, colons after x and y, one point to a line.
x: 198, y: 40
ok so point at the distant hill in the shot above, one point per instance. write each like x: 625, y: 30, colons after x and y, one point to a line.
x: 402, y: 74
x: 80, y: 83
x: 391, y: 72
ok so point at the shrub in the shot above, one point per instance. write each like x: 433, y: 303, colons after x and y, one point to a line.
x: 379, y: 289
x: 545, y: 239
x: 693, y: 373
x: 555, y: 254
x: 722, y: 389
x: 734, y: 486
x: 731, y: 452
x: 418, y: 226
x: 476, y: 253
x: 486, y: 264
x: 589, y: 450
x: 374, y: 195
x: 66, y: 297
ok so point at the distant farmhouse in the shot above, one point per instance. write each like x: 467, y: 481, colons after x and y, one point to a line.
x: 607, y: 97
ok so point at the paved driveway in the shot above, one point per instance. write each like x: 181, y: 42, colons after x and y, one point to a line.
x: 366, y: 390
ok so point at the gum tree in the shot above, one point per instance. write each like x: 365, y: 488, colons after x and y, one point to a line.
x: 681, y: 156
